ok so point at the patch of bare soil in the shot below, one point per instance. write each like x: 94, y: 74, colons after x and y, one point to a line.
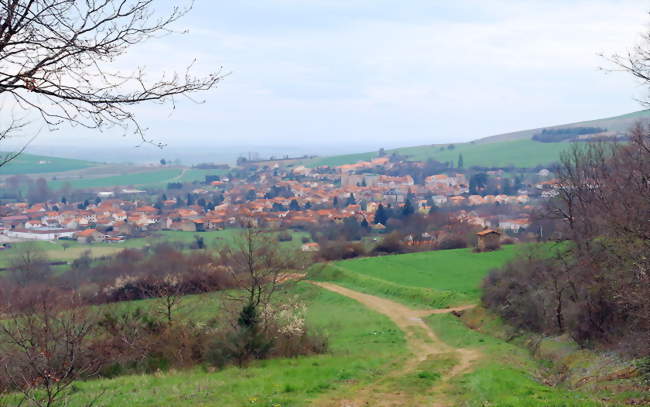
x: 424, y: 345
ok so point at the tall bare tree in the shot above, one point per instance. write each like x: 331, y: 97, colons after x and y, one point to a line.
x: 55, y: 63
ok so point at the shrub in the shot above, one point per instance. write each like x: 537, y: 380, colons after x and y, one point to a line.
x: 390, y: 244
x: 330, y: 251
x: 452, y: 243
x: 284, y: 236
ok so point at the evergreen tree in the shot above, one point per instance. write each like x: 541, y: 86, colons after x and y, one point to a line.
x: 276, y: 207
x: 461, y: 163
x: 408, y: 209
x: 307, y: 205
x: 351, y: 200
x: 293, y: 205
x: 164, y: 197
x: 477, y: 183
x: 98, y: 200
x: 190, y: 199
x: 64, y: 200
x: 381, y: 216
x: 364, y: 224
x: 410, y: 196
x: 251, y: 195
x: 335, y: 202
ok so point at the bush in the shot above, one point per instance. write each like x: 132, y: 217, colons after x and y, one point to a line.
x: 331, y: 251
x: 390, y: 244
x: 284, y: 236
x: 452, y: 243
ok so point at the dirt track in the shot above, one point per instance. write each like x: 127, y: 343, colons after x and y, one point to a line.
x: 423, y: 343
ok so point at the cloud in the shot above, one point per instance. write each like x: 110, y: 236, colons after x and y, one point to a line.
x: 391, y: 73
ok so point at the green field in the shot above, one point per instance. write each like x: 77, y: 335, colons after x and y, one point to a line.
x: 156, y: 177
x: 353, y: 331
x: 506, y: 375
x: 37, y: 164
x: 70, y: 250
x: 367, y: 351
x: 518, y: 153
x: 195, y: 174
x: 436, y: 279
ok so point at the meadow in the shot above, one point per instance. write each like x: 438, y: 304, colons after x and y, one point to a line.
x: 353, y: 332
x: 69, y: 250
x: 437, y: 279
x: 154, y: 177
x: 518, y: 153
x: 505, y: 373
x: 36, y: 164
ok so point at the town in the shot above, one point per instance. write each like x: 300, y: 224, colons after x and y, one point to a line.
x: 375, y: 196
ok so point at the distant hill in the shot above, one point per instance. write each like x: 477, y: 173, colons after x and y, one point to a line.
x: 516, y: 148
x: 615, y: 123
x: 39, y: 164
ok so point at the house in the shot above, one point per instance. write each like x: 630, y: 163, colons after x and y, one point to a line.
x: 514, y: 225
x: 310, y: 247
x: 39, y: 234
x: 488, y: 239
x: 89, y: 236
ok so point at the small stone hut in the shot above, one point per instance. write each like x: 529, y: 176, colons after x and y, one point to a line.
x: 488, y: 239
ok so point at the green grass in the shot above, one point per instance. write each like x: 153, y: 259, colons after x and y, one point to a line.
x: 156, y: 177
x: 194, y: 174
x: 519, y: 153
x: 506, y: 374
x: 56, y: 251
x: 427, y: 279
x: 29, y: 164
x: 354, y: 333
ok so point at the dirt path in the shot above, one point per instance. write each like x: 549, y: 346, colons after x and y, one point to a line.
x: 424, y: 345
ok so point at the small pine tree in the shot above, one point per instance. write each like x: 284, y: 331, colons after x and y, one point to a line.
x: 293, y: 205
x: 381, y: 216
x: 351, y: 200
x: 461, y: 163
x: 407, y: 209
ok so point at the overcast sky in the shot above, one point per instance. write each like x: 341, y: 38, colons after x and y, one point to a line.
x: 389, y: 73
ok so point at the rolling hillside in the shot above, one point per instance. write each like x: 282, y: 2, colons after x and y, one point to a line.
x: 502, y: 150
x: 38, y: 164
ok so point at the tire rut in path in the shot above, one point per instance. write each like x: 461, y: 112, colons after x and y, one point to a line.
x: 421, y: 340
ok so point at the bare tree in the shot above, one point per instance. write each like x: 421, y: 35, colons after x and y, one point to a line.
x: 45, y: 345
x: 28, y: 264
x: 169, y: 295
x: 259, y: 265
x: 55, y: 58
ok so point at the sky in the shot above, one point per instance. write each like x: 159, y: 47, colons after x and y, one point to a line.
x: 327, y: 76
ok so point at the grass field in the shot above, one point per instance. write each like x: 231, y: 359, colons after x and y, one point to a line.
x: 36, y: 164
x: 155, y: 177
x: 366, y: 349
x: 427, y: 279
x: 70, y: 250
x: 354, y: 332
x: 519, y: 153
x: 505, y: 375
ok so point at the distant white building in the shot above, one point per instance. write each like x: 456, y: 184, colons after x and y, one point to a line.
x: 40, y: 234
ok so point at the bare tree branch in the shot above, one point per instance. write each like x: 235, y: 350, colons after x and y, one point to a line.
x: 55, y: 58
